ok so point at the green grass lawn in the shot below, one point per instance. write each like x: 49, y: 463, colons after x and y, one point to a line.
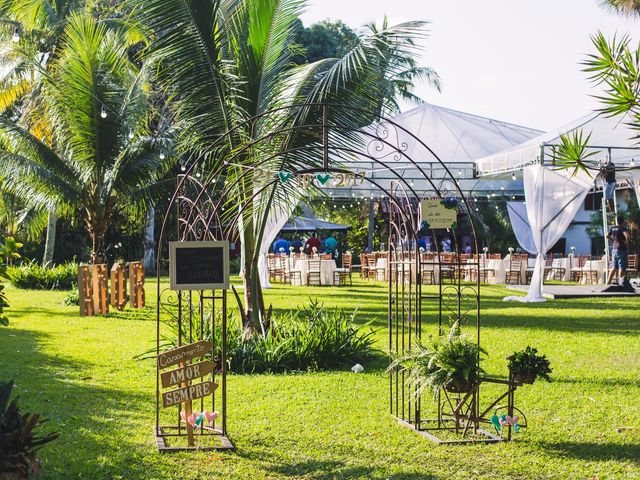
x: 81, y: 374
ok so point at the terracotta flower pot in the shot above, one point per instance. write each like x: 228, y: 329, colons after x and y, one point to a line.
x: 459, y: 387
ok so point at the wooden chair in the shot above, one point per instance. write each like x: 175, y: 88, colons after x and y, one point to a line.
x: 514, y: 272
x: 313, y: 274
x: 448, y: 267
x: 341, y: 274
x: 557, y: 270
x: 372, y: 271
x: 575, y: 274
x: 589, y: 274
x: 364, y: 268
x: 326, y: 256
x: 548, y: 265
x: 275, y: 268
x: 632, y: 265
x: 485, y: 271
x: 427, y: 265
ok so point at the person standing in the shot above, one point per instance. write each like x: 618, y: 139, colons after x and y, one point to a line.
x: 619, y: 235
x: 296, y: 243
x: 330, y: 244
x: 280, y: 245
x: 609, y: 175
x: 313, y: 241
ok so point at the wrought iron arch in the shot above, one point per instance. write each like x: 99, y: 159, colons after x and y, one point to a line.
x: 202, y: 216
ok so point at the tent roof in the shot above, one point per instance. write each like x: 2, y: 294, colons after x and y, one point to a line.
x: 606, y: 132
x: 457, y: 136
x: 306, y: 224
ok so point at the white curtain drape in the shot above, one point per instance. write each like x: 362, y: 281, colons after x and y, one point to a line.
x: 553, y: 198
x: 520, y: 224
x: 278, y: 216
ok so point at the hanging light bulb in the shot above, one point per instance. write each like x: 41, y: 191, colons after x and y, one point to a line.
x: 513, y: 197
x: 16, y: 35
x: 130, y: 134
x: 162, y: 156
x: 477, y: 209
x: 182, y: 167
x: 496, y: 207
x: 103, y: 112
x: 633, y: 162
x: 198, y: 174
x: 513, y: 176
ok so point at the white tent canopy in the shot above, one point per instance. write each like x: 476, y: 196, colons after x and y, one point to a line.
x: 610, y: 136
x: 457, y: 138
x: 553, y: 197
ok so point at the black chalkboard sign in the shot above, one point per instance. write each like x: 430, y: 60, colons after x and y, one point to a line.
x: 199, y: 265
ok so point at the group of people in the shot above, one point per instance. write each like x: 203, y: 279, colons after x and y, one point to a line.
x: 323, y: 244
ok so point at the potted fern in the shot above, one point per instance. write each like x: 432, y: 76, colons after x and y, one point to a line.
x: 18, y: 441
x: 526, y: 365
x: 449, y: 362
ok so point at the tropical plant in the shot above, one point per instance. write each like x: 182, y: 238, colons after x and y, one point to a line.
x: 98, y: 156
x: 4, y: 321
x: 222, y: 63
x: 625, y: 7
x: 526, y: 365
x: 9, y: 250
x: 309, y: 338
x: 450, y: 361
x: 32, y: 276
x: 19, y: 443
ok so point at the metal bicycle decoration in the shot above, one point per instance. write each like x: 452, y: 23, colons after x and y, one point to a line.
x: 204, y: 212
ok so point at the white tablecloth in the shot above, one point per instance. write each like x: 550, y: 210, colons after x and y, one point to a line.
x: 598, y: 265
x: 566, y: 263
x: 327, y: 268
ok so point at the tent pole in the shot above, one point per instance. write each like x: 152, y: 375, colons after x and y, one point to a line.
x: 605, y: 228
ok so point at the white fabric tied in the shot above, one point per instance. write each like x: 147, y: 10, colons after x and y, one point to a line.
x: 553, y: 198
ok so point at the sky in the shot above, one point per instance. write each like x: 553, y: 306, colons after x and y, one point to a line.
x: 513, y: 60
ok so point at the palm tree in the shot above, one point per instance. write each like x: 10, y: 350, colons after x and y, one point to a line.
x: 95, y: 154
x: 31, y: 36
x: 224, y: 62
x: 625, y: 7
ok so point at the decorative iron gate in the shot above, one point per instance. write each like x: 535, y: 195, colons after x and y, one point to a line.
x: 425, y: 294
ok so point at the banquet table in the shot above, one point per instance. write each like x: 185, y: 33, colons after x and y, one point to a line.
x: 566, y: 263
x: 600, y: 266
x: 327, y: 269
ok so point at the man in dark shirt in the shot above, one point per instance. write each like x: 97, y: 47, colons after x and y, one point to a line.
x: 619, y: 235
x: 609, y: 175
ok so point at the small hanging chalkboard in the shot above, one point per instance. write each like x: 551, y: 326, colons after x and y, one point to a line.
x: 198, y: 265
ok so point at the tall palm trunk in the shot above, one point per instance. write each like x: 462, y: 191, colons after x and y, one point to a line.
x: 149, y: 242
x: 50, y: 241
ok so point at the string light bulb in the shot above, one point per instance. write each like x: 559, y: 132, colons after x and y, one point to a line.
x: 130, y: 134
x: 513, y: 176
x: 16, y: 35
x: 162, y: 156
x: 633, y: 162
x: 182, y: 167
x: 103, y: 112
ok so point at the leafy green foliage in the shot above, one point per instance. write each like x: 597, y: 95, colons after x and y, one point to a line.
x: 310, y: 338
x: 450, y: 361
x: 4, y: 321
x: 322, y: 40
x: 527, y: 362
x: 72, y: 299
x: 18, y: 440
x: 33, y: 276
x: 9, y: 250
x: 574, y: 153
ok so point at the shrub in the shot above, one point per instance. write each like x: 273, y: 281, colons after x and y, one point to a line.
x: 4, y: 321
x: 450, y: 362
x: 35, y: 277
x: 18, y: 441
x: 526, y: 365
x: 72, y: 298
x: 307, y: 339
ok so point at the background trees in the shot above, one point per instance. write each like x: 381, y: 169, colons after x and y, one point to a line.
x: 223, y: 63
x: 95, y: 154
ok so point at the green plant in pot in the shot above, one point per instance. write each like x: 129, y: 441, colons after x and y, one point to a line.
x: 451, y: 362
x: 18, y: 441
x: 526, y: 365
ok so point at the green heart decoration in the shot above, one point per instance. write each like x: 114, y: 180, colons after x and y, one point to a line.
x: 284, y: 176
x: 454, y: 225
x: 323, y: 179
